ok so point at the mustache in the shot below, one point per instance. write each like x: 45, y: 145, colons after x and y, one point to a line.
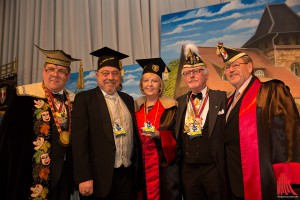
x: 193, y: 79
x: 55, y: 78
x: 110, y: 81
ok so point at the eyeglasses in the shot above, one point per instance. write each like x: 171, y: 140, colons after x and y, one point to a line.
x: 60, y: 72
x: 194, y: 71
x: 233, y: 65
x: 113, y: 73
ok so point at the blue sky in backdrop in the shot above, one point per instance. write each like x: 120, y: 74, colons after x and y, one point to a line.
x: 232, y: 23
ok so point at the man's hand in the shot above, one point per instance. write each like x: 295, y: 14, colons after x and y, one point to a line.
x: 86, y: 188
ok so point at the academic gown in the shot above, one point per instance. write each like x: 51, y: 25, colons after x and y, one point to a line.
x: 160, y: 172
x: 262, y: 134
x: 17, y: 149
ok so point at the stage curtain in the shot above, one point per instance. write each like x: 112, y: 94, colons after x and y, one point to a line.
x: 81, y: 26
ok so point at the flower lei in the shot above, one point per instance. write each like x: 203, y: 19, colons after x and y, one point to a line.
x: 41, y: 157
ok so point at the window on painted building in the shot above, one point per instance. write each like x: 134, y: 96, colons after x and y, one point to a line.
x: 295, y: 68
x: 259, y: 73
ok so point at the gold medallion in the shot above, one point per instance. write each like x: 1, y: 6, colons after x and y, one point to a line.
x: 64, y: 137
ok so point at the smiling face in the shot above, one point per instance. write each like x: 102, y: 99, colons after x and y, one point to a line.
x: 38, y: 143
x: 45, y: 159
x: 109, y: 79
x: 55, y: 77
x: 151, y: 85
x: 238, y: 72
x: 36, y: 190
x: 45, y: 116
x: 195, y: 78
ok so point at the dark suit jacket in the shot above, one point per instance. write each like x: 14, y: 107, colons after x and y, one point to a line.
x: 216, y: 117
x: 93, y: 140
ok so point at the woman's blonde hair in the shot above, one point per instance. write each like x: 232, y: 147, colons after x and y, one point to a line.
x: 162, y: 85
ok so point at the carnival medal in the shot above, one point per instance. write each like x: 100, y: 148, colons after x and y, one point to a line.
x: 194, y: 130
x: 118, y: 130
x: 148, y: 128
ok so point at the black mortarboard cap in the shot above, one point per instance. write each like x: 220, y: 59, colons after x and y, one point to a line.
x: 154, y: 65
x: 58, y: 57
x: 229, y: 55
x: 109, y: 57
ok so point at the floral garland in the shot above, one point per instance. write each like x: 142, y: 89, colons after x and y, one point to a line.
x: 41, y: 156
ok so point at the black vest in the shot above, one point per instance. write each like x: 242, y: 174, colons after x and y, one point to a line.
x: 196, y: 150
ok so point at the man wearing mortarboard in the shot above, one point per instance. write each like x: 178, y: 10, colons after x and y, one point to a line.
x: 35, y: 152
x: 155, y: 114
x: 199, y: 131
x: 105, y: 134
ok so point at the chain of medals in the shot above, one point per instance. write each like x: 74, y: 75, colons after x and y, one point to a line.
x: 117, y: 129
x: 194, y: 129
x: 148, y: 127
x: 64, y: 136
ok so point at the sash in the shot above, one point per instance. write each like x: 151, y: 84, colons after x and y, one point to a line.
x: 249, y: 144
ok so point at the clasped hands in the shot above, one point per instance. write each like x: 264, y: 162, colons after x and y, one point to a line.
x: 156, y: 134
x: 86, y: 188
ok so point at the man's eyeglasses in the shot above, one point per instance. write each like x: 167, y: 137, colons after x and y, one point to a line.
x: 233, y: 65
x: 60, y: 72
x: 194, y: 71
x: 113, y: 73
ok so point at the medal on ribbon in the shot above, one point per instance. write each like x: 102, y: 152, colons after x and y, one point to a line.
x: 60, y: 116
x: 195, y: 130
x: 148, y: 128
x: 118, y: 130
x: 193, y: 123
x: 64, y: 137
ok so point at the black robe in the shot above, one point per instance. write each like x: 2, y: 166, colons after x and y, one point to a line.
x: 17, y: 149
x: 270, y: 123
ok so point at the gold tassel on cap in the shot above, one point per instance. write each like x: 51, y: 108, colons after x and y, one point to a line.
x: 166, y: 74
x: 121, y: 68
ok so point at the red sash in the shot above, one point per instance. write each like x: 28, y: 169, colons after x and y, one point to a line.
x: 249, y: 144
x: 150, y: 154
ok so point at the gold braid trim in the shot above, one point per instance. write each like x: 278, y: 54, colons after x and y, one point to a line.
x: 36, y: 90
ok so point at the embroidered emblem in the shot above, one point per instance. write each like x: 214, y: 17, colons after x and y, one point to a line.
x: 155, y: 68
x: 41, y: 157
x: 224, y: 53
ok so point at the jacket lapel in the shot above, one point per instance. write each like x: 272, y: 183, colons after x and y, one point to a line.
x: 182, y: 102
x: 102, y: 110
x: 214, y: 107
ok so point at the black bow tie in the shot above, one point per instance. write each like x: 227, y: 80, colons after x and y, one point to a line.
x: 199, y: 96
x: 59, y: 97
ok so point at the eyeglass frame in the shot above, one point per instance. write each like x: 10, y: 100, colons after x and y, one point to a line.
x: 194, y: 71
x: 233, y: 65
x: 60, y: 72
x: 106, y: 73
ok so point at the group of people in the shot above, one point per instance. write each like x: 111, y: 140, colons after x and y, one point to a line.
x: 109, y: 146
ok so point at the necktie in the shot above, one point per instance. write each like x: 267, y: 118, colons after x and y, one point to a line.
x: 235, y: 98
x: 111, y: 97
x: 112, y: 104
x: 199, y: 96
x: 59, y: 97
